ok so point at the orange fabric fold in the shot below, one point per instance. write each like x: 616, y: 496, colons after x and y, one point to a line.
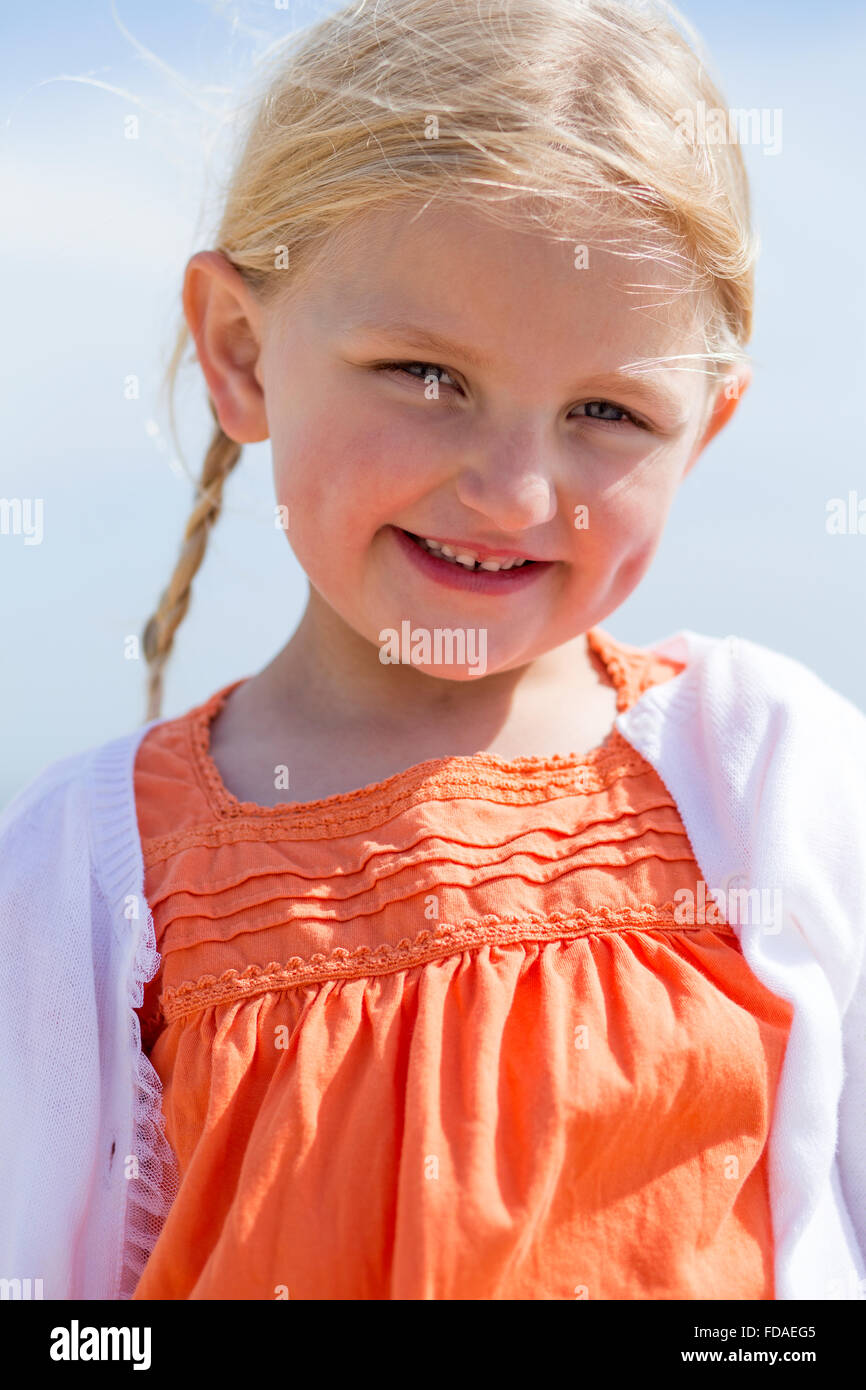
x: 443, y: 1036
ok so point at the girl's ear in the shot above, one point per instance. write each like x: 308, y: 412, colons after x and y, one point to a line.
x: 225, y: 321
x: 726, y: 397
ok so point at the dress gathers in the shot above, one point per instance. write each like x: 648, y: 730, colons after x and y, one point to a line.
x: 446, y: 1036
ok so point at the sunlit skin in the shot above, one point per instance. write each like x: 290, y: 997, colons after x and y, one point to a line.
x: 502, y: 456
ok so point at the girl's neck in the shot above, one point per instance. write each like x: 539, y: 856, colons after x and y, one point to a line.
x: 322, y: 709
x: 329, y: 674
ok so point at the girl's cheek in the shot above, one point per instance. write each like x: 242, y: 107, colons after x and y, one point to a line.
x: 334, y: 496
x: 638, y: 504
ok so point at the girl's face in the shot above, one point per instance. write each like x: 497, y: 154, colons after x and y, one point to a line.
x: 515, y: 432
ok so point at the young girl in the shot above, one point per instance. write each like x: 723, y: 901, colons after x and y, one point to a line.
x: 463, y: 951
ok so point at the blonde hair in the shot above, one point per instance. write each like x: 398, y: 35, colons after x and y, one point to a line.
x: 578, y: 103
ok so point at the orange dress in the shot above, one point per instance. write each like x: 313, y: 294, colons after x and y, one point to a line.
x: 442, y: 1036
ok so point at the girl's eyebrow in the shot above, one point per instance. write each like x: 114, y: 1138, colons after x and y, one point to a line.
x: 652, y: 389
x: 423, y: 338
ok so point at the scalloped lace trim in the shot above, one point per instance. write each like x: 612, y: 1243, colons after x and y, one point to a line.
x: 380, y: 801
x: 446, y: 938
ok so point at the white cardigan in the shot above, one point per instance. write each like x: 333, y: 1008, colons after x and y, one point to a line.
x: 767, y: 766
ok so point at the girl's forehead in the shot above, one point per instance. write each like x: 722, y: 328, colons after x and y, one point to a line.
x: 404, y: 235
x: 389, y: 265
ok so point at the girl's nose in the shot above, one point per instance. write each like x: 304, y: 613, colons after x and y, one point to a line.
x: 512, y: 485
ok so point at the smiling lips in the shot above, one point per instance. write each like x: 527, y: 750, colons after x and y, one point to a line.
x: 473, y: 557
x: 478, y: 569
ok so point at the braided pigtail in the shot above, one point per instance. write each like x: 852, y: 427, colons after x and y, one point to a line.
x: 158, y: 637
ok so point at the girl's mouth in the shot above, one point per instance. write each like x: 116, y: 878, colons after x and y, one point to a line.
x: 461, y: 575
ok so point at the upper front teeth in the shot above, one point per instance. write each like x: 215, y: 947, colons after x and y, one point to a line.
x: 465, y: 557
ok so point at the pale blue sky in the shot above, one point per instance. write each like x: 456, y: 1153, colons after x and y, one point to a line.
x: 96, y: 230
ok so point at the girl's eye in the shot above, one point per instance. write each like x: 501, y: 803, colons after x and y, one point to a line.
x: 628, y: 418
x: 429, y: 370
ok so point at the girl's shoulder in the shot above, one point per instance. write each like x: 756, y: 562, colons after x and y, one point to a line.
x: 753, y: 744
x: 752, y: 679
x: 74, y: 820
x: 83, y: 808
x: 64, y: 782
